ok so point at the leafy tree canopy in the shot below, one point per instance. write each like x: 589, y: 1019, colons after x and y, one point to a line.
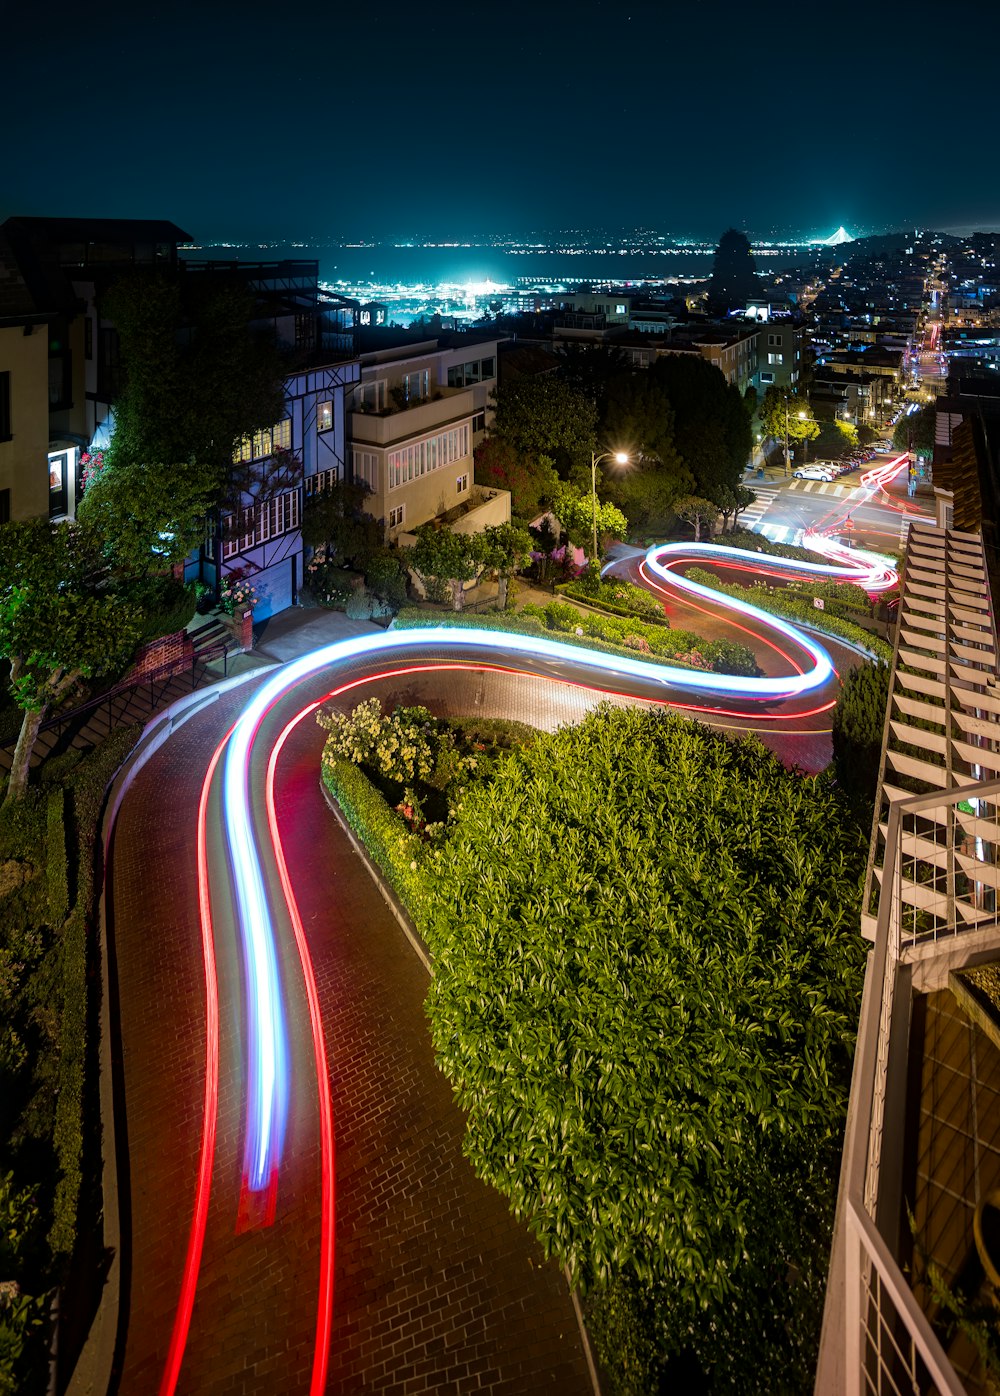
x: 149, y: 516
x: 543, y: 416
x: 531, y: 479
x: 915, y: 431
x: 591, y: 369
x: 835, y: 438
x: 454, y: 558
x: 772, y: 415
x: 711, y: 428
x: 197, y: 377
x: 57, y: 623
x: 575, y: 511
x: 701, y: 513
x: 336, y: 519
x: 647, y: 981
x: 734, y: 273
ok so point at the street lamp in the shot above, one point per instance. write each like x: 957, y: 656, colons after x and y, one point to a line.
x: 620, y: 458
x: 803, y: 417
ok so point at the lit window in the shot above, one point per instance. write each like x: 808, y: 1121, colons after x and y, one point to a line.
x: 461, y: 484
x: 324, y: 416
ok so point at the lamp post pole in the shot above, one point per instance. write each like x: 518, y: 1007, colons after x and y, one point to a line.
x: 788, y: 468
x: 622, y: 459
x: 593, y: 498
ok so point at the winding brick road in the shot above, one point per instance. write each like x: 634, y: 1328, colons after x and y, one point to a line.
x: 437, y: 1288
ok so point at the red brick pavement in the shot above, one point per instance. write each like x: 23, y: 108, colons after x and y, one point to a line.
x: 437, y: 1288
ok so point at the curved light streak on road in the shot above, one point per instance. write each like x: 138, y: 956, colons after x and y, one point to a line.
x: 267, y: 1065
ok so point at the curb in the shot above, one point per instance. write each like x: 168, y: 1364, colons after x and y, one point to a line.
x: 423, y: 954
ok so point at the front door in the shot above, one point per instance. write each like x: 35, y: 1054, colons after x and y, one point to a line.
x: 58, y: 483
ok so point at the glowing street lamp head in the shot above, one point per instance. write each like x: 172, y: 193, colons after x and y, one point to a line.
x: 621, y: 457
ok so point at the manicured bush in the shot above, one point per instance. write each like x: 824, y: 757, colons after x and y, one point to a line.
x: 396, y: 850
x: 605, y: 633
x: 619, y: 597
x: 88, y: 786
x: 646, y: 992
x: 858, y: 724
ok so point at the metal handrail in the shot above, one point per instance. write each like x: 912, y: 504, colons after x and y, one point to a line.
x: 162, y: 674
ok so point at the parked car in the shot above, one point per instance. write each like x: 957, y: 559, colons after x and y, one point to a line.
x: 814, y: 472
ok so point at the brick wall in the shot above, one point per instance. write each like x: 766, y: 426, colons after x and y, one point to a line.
x: 172, y: 654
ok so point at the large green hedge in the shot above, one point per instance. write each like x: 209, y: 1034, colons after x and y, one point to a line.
x: 646, y: 992
x: 48, y: 847
x: 396, y: 850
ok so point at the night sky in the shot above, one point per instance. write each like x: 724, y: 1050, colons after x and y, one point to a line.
x: 386, y: 120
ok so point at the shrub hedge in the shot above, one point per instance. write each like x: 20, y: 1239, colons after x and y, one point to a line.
x: 397, y: 851
x: 56, y: 865
x: 88, y: 784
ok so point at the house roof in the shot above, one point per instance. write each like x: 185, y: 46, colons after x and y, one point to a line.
x: 56, y: 230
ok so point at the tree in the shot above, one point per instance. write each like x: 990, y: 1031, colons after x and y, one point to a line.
x: 57, y: 623
x: 734, y: 501
x: 544, y: 417
x: 640, y: 419
x: 734, y: 273
x: 336, y: 520
x: 591, y: 370
x: 197, y: 376
x: 531, y: 479
x: 867, y: 435
x: 915, y: 432
x: 575, y: 512
x: 701, y: 513
x: 836, y: 438
x: 647, y: 981
x: 711, y: 428
x: 504, y: 549
x: 149, y: 517
x: 454, y: 558
x: 772, y: 413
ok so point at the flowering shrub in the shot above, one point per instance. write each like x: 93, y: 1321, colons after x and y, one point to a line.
x: 637, y: 642
x: 236, y: 595
x: 91, y: 466
x: 398, y: 747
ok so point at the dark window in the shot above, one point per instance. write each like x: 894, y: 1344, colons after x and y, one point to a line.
x: 4, y: 506
x: 5, y: 432
x: 60, y: 379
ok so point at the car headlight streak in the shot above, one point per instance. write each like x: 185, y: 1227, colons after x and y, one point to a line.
x: 267, y: 1035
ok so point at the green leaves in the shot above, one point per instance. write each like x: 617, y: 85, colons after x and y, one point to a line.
x: 646, y: 991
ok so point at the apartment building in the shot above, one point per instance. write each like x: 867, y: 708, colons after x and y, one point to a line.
x: 414, y: 419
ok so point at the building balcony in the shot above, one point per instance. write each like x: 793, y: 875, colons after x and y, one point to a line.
x: 388, y: 428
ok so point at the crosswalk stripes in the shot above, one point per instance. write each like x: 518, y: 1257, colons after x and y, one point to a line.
x: 776, y: 533
x: 760, y: 506
x: 904, y: 529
